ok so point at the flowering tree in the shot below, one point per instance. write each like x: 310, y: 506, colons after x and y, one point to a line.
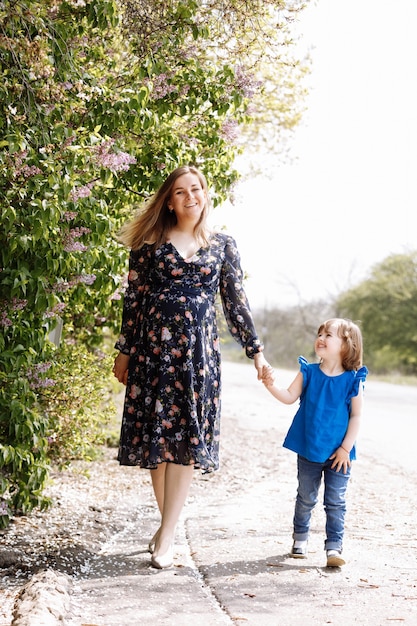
x: 99, y: 99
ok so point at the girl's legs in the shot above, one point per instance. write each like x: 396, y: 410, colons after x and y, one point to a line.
x: 171, y: 483
x: 335, y: 485
x: 309, y: 479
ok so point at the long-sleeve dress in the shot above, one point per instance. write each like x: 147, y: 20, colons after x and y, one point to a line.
x: 169, y: 329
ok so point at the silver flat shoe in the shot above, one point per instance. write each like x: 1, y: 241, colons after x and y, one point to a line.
x: 151, y: 544
x: 164, y: 561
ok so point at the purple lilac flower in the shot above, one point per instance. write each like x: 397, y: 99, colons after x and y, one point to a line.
x: 160, y: 87
x: 230, y: 130
x: 35, y: 373
x: 63, y: 285
x: 30, y: 170
x: 56, y: 310
x: 21, y: 168
x: 4, y: 509
x: 69, y: 241
x: 75, y: 246
x: 69, y: 216
x: 4, y: 320
x: 18, y: 305
x: 246, y: 82
x: 15, y: 304
x: 18, y: 160
x: 87, y: 279
x: 114, y: 161
x: 81, y: 192
x: 116, y: 295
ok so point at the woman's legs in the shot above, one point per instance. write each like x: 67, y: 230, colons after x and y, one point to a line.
x: 158, y: 484
x: 171, y: 483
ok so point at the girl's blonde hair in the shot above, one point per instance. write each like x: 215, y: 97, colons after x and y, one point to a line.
x: 154, y: 220
x: 352, y: 346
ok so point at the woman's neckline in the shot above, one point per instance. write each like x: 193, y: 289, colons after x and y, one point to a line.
x: 184, y: 258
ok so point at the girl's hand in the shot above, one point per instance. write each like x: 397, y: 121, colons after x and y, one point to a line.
x: 268, y: 376
x: 121, y: 363
x: 341, y: 459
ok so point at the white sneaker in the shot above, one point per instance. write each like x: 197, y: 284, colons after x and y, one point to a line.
x: 334, y: 558
x: 299, y: 550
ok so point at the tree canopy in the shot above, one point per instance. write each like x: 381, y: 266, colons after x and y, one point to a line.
x: 385, y: 305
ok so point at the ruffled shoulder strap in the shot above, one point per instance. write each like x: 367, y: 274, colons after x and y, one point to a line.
x: 362, y: 373
x: 305, y: 369
x: 303, y: 363
x: 359, y: 377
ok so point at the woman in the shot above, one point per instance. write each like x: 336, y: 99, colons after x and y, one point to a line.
x: 169, y: 345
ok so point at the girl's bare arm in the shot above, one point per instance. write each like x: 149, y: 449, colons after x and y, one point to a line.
x: 341, y: 457
x: 286, y: 396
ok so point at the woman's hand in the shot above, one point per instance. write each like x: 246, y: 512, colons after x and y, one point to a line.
x: 121, y: 363
x: 260, y: 362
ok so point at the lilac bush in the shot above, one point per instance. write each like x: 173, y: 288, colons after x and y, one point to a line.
x: 98, y: 103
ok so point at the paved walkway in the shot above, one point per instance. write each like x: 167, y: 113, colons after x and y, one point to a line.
x: 231, y: 561
x: 232, y: 564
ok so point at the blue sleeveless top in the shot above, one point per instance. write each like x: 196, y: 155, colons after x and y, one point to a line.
x: 321, y: 422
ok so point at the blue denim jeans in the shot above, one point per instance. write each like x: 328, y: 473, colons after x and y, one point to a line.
x: 335, y: 484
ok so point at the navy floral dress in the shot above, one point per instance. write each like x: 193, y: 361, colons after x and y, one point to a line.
x: 172, y: 404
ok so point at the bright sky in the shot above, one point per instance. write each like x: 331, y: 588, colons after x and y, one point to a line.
x: 350, y: 198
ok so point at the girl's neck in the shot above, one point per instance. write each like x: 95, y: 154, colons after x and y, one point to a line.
x: 331, y: 368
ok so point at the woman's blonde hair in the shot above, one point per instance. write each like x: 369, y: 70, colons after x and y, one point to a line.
x: 154, y: 220
x: 352, y: 346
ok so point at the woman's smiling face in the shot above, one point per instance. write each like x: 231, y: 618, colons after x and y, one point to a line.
x: 188, y: 198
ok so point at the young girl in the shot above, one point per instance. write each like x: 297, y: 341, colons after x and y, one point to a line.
x: 324, y: 429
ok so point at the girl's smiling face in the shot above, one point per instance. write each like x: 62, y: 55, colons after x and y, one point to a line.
x: 328, y: 344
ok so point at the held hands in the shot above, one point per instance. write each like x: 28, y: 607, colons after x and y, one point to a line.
x: 341, y: 459
x: 120, y: 366
x: 260, y: 363
x: 268, y: 375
